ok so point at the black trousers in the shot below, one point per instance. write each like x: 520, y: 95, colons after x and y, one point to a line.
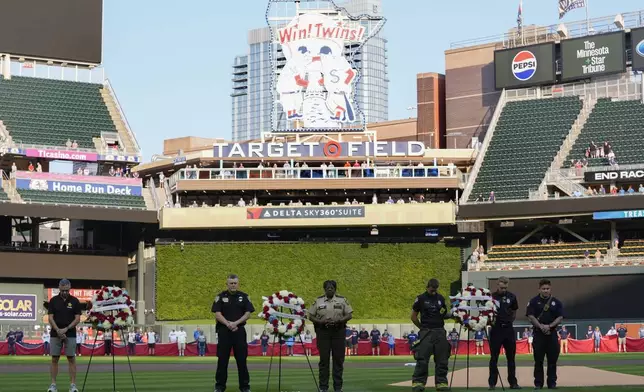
x: 503, y: 336
x: 330, y: 342
x: 108, y: 347
x: 545, y: 346
x: 237, y: 342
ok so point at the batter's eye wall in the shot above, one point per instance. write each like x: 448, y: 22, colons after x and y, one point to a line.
x: 586, y: 297
x: 69, y: 30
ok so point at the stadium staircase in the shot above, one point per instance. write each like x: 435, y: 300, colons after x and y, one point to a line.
x: 619, y: 122
x: 486, y: 143
x: 150, y: 196
x: 82, y: 199
x: 527, y: 137
x: 8, y: 191
x: 48, y: 112
x: 130, y: 144
x: 553, y: 176
x: 518, y: 253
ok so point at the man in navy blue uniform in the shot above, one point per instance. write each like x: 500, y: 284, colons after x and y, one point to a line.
x: 502, y: 334
x: 545, y: 312
x: 232, y: 308
x: 433, y: 311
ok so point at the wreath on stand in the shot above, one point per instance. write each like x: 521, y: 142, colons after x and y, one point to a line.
x: 273, y: 313
x: 111, y: 308
x: 474, y: 308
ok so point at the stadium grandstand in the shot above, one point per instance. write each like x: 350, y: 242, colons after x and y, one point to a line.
x: 519, y: 194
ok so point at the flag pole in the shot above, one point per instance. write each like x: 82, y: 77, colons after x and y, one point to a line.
x: 522, y: 39
x: 587, y: 18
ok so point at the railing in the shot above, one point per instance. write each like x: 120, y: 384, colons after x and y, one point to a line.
x: 21, y: 145
x: 152, y: 189
x: 541, y: 197
x: 605, y: 261
x: 486, y: 143
x: 315, y: 173
x: 133, y: 139
x: 623, y: 86
x: 578, y: 173
x: 539, y: 34
x: 167, y: 190
x: 9, y: 189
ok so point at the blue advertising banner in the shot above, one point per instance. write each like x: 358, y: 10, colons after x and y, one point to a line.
x: 18, y: 307
x: 78, y: 187
x: 631, y: 214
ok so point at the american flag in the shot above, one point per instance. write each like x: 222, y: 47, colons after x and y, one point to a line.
x: 569, y: 5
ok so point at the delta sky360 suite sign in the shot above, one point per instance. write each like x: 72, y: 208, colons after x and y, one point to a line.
x: 316, y: 87
x: 592, y: 56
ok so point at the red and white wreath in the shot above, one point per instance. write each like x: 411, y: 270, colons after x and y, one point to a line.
x: 474, y: 308
x: 111, y: 308
x: 273, y: 312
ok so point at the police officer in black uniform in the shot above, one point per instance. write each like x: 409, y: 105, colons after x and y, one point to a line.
x: 502, y: 334
x: 232, y: 308
x: 545, y: 312
x: 432, y: 338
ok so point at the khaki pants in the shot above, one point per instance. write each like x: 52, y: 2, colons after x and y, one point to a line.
x: 564, y: 345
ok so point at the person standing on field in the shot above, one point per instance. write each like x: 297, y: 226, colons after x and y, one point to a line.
x: 64, y: 312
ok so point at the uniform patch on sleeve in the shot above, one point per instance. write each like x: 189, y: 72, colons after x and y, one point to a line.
x: 217, y: 299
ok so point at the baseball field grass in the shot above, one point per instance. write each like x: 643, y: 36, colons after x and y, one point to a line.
x: 194, y: 374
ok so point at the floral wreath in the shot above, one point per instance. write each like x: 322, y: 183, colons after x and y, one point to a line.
x: 474, y: 299
x: 272, y: 312
x: 111, y: 309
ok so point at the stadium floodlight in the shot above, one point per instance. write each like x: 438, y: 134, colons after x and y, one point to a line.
x: 619, y: 21
x: 562, y: 30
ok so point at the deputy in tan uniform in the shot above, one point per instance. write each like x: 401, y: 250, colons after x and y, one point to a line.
x: 329, y: 314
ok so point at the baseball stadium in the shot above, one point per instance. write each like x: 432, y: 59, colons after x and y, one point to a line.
x: 523, y: 163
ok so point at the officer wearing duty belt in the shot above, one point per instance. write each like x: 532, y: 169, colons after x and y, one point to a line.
x: 432, y: 338
x: 232, y: 308
x: 329, y: 314
x: 502, y: 334
x: 545, y: 312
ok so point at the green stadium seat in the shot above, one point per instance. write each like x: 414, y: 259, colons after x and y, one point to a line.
x: 50, y: 112
x: 618, y: 122
x: 526, y: 139
x: 632, y: 248
x: 47, y: 197
x: 3, y: 195
x: 540, y: 252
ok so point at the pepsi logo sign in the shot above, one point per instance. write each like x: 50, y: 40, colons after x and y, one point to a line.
x: 524, y: 65
x: 639, y: 48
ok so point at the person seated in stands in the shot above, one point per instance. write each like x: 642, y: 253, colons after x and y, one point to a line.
x: 587, y: 152
x: 630, y: 190
x: 374, y: 199
x: 622, y: 192
x: 68, y: 144
x: 589, y: 191
x: 544, y: 241
x: 354, y: 202
x: 74, y: 144
x: 577, y: 194
x: 586, y: 254
x: 30, y: 167
x: 492, y: 197
x: 551, y: 241
x: 347, y: 202
x: 389, y: 200
x: 598, y: 255
x: 194, y: 204
x: 204, y: 205
x: 641, y: 189
x: 241, y: 202
x: 602, y: 190
x: 38, y: 167
x: 613, y: 190
x: 400, y: 201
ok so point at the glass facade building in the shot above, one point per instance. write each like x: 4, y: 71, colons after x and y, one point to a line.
x: 252, y: 98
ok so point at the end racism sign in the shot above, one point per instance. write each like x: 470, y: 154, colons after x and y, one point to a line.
x: 330, y: 149
x: 613, y: 175
x: 18, y: 307
x: 306, y: 212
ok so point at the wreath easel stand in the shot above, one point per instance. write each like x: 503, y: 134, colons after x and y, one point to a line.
x: 475, y: 310
x: 294, y: 313
x: 111, y: 315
